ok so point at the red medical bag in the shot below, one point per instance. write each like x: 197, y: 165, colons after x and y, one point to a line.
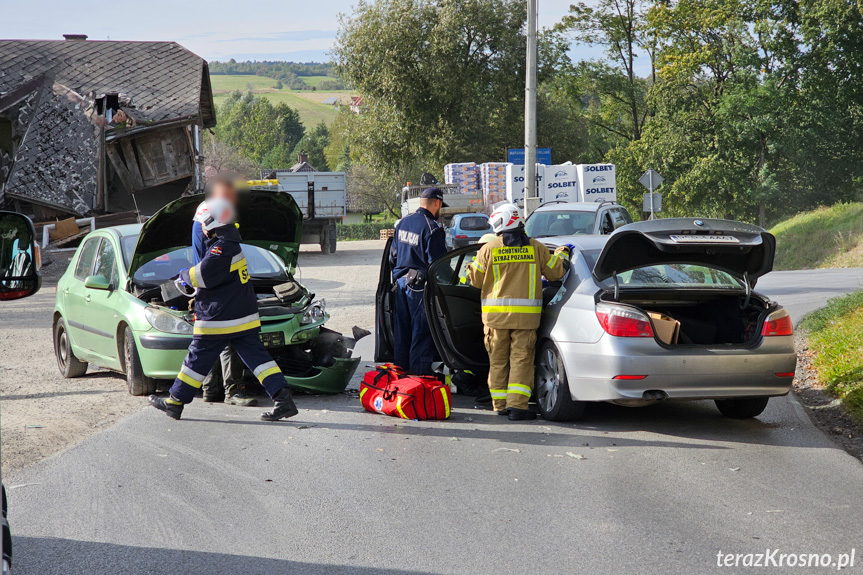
x: 387, y: 390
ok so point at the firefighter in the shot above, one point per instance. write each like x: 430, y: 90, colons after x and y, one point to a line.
x: 418, y: 240
x: 226, y: 312
x: 508, y: 271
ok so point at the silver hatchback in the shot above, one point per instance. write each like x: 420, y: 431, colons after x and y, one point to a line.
x: 658, y: 310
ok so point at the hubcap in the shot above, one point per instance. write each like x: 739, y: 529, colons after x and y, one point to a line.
x: 547, y: 379
x: 62, y: 352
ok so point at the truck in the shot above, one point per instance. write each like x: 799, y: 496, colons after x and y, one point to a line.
x: 321, y: 197
x: 457, y: 201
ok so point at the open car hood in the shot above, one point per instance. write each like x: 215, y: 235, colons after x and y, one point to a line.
x: 743, y: 250
x: 268, y: 219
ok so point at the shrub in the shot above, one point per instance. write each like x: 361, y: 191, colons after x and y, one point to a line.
x: 364, y: 231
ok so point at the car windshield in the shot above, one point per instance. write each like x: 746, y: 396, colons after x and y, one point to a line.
x: 675, y: 275
x: 475, y: 224
x: 262, y: 263
x: 560, y: 223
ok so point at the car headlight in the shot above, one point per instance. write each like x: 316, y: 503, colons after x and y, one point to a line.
x: 167, y: 322
x: 315, y: 312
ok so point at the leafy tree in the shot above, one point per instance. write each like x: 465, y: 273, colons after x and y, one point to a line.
x: 256, y: 128
x: 314, y: 143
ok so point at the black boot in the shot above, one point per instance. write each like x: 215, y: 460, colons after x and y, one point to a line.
x: 173, y: 408
x: 283, y: 407
x: 521, y: 414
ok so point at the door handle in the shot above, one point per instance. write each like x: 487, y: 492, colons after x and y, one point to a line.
x: 66, y: 291
x: 87, y: 298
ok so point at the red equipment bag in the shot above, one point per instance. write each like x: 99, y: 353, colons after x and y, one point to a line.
x: 388, y: 391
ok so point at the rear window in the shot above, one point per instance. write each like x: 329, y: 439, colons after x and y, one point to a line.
x: 560, y: 223
x: 474, y: 224
x: 676, y: 275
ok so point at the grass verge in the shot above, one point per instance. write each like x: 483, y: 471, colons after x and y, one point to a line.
x: 830, y: 237
x: 835, y: 335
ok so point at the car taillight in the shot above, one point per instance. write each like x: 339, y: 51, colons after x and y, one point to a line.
x: 461, y: 237
x: 778, y: 323
x: 623, y: 321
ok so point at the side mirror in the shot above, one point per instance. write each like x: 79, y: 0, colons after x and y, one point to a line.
x: 97, y: 282
x: 20, y: 259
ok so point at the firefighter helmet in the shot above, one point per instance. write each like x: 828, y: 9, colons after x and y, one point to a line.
x: 504, y: 218
x: 215, y: 213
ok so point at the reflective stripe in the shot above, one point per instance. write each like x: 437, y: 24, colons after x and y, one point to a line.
x: 445, y: 402
x: 498, y: 393
x: 172, y: 401
x: 519, y: 389
x: 399, y: 408
x: 363, y: 392
x: 265, y: 374
x: 552, y: 261
x: 264, y: 367
x: 238, y: 258
x: 188, y: 380
x: 191, y: 373
x: 239, y: 264
x: 511, y: 301
x: 204, y: 327
x: 532, y: 281
x: 195, y: 276
x: 496, y: 286
x: 477, y: 267
x: 511, y: 309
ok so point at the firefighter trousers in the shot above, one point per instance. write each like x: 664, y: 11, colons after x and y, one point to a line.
x: 510, y: 377
x: 204, y: 352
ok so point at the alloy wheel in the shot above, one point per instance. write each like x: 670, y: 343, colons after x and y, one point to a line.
x: 547, y: 379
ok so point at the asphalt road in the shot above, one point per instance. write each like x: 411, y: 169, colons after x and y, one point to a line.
x: 659, y: 490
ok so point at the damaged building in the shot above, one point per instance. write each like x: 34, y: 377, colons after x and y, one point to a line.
x: 92, y: 127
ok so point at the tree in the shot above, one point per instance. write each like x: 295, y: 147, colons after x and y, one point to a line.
x: 443, y: 80
x: 314, y: 143
x: 256, y: 128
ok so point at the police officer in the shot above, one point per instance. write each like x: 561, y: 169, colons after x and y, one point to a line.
x: 419, y: 239
x: 508, y: 270
x: 226, y: 312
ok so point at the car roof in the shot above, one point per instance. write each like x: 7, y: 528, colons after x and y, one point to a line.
x: 127, y: 229
x: 582, y: 243
x: 572, y: 206
x: 471, y: 215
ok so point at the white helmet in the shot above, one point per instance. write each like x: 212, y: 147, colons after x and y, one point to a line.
x: 505, y: 217
x: 215, y: 213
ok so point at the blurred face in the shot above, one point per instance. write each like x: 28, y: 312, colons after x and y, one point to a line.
x: 225, y: 191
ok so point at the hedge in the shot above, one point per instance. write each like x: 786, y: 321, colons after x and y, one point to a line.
x: 366, y: 231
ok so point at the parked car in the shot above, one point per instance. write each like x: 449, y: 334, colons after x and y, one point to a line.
x: 576, y: 218
x: 600, y: 333
x: 19, y: 277
x: 466, y: 229
x: 110, y: 312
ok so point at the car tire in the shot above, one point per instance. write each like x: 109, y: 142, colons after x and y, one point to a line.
x: 742, y: 408
x: 69, y: 365
x: 139, y: 384
x: 552, y: 387
x: 7, y: 535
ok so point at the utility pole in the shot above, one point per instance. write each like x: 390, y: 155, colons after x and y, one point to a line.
x: 531, y: 198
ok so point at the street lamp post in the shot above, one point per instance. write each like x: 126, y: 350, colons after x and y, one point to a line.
x: 531, y: 198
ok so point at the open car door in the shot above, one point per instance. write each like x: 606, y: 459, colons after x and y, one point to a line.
x: 385, y: 302
x: 454, y: 312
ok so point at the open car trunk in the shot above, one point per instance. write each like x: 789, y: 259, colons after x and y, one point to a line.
x: 706, y: 319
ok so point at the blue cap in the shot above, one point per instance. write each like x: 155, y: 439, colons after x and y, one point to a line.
x: 433, y: 194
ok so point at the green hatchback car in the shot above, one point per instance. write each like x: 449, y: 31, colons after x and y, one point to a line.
x: 110, y: 312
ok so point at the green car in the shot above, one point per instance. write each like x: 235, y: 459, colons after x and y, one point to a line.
x: 110, y: 309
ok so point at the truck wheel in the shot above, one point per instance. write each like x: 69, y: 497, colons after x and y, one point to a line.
x: 552, y: 387
x: 743, y: 408
x: 139, y: 384
x: 70, y: 366
x: 325, y: 247
x: 333, y: 244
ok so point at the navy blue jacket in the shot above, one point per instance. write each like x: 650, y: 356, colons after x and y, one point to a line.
x: 419, y: 239
x: 225, y: 304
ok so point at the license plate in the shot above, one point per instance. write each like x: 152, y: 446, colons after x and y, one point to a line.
x: 705, y: 239
x: 274, y: 339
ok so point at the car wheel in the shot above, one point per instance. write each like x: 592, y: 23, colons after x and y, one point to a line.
x: 139, y: 384
x: 70, y: 366
x: 7, y: 537
x: 742, y: 408
x: 552, y: 387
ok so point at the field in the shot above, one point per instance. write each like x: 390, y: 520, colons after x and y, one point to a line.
x: 307, y: 103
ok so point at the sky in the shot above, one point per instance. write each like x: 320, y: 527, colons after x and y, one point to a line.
x: 300, y: 31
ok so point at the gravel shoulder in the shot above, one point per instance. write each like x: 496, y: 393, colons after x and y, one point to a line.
x: 42, y: 413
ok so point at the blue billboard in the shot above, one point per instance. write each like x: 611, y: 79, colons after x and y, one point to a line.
x: 516, y: 156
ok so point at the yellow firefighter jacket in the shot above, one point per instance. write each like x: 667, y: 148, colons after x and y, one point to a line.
x: 510, y: 279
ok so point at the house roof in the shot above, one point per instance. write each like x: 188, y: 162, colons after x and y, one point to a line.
x: 164, y: 80
x: 48, y: 90
x: 331, y: 100
x: 302, y: 167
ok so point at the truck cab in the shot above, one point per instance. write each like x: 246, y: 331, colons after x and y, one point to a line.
x: 576, y: 218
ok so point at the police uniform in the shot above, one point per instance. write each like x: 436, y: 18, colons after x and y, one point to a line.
x: 226, y: 312
x: 419, y: 239
x: 508, y: 270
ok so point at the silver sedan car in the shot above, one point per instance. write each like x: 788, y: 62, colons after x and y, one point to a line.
x: 659, y: 310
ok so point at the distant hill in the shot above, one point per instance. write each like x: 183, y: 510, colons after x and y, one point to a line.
x: 294, y: 75
x: 829, y: 237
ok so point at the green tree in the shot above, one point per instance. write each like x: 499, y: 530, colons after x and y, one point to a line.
x: 256, y: 128
x: 315, y: 143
